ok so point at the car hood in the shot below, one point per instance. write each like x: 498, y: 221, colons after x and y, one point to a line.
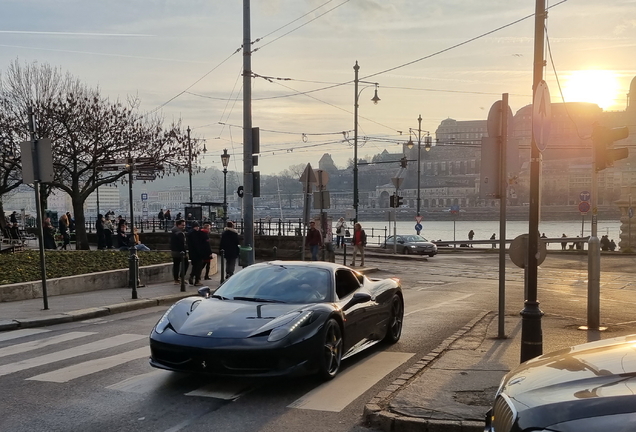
x: 589, y: 376
x: 229, y: 318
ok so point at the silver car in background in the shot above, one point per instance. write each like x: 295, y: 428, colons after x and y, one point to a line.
x: 411, y: 244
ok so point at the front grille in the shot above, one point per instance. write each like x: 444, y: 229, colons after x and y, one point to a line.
x: 503, y: 416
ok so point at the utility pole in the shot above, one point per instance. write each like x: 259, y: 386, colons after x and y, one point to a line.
x: 531, y: 334
x: 248, y: 164
x: 190, y: 163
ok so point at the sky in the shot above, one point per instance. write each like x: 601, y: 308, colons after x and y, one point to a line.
x: 442, y: 59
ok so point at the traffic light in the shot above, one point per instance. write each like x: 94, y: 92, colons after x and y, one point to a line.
x: 240, y: 192
x: 399, y: 201
x: 403, y: 162
x: 603, y: 139
x: 392, y: 201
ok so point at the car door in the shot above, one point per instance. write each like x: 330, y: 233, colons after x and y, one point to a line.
x: 347, y: 284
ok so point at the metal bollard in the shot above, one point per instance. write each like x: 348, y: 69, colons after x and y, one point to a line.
x: 275, y: 251
x: 344, y: 253
x: 182, y: 271
x: 133, y: 271
x: 222, y: 252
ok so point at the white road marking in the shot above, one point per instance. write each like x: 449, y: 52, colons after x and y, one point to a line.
x: 335, y: 395
x: 144, y: 383
x: 92, y: 366
x: 439, y: 304
x: 69, y: 353
x: 30, y: 346
x: 226, y: 390
x: 15, y: 334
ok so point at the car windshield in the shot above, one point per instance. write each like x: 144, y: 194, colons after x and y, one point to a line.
x: 414, y: 238
x: 279, y: 283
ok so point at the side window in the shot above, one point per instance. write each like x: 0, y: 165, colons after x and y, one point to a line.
x: 346, y: 283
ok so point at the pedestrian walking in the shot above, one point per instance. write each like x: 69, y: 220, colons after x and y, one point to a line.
x: 177, y: 246
x: 63, y: 227
x: 101, y: 235
x: 612, y: 245
x: 564, y: 245
x: 471, y: 236
x: 493, y: 237
x: 199, y: 250
x: 161, y: 216
x: 230, y: 245
x: 206, y: 262
x: 359, y: 242
x: 314, y: 240
x: 13, y: 218
x: 341, y: 227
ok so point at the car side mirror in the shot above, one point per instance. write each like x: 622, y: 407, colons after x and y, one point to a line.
x: 204, y: 291
x: 357, y: 298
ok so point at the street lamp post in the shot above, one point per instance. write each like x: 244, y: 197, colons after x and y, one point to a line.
x: 427, y: 147
x: 190, y: 163
x: 375, y: 100
x: 225, y: 160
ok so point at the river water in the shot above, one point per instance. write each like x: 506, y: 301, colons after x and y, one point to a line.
x: 449, y: 230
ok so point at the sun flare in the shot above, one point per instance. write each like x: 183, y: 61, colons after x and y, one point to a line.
x: 596, y: 86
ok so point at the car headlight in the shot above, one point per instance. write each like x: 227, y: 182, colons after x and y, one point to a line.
x: 164, y: 322
x: 281, y: 332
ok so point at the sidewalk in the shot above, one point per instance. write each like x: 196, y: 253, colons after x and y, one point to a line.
x: 453, y: 387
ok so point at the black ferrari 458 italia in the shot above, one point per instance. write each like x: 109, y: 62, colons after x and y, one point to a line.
x: 279, y: 318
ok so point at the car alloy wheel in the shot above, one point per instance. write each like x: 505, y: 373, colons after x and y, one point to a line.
x: 394, y: 329
x: 331, y: 351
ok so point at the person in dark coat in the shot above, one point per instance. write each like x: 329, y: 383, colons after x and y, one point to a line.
x: 101, y: 235
x: 123, y: 241
x: 199, y: 250
x: 13, y: 218
x: 49, y: 234
x: 206, y: 262
x: 314, y: 240
x: 63, y: 227
x: 177, y: 246
x: 230, y: 246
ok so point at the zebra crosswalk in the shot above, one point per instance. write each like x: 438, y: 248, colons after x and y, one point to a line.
x: 42, y: 350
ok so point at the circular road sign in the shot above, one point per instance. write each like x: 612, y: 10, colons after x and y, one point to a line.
x: 584, y: 207
x: 541, y: 116
x: 519, y: 250
x: 585, y: 196
x: 418, y: 227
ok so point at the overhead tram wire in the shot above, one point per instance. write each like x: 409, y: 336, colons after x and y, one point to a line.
x: 488, y: 33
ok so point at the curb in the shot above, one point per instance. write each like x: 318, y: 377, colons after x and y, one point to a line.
x: 376, y: 411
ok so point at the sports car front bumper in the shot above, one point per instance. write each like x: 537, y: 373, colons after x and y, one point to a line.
x: 234, y: 357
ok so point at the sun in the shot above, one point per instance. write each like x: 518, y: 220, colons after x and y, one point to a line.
x: 596, y: 86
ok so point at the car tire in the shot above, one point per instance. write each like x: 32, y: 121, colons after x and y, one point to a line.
x: 431, y: 255
x: 396, y: 320
x: 331, y: 350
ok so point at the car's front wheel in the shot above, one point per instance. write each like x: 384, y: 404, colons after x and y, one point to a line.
x: 396, y: 319
x: 331, y: 354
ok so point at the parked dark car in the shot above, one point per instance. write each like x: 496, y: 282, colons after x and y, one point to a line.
x: 411, y: 244
x: 279, y: 318
x: 585, y: 388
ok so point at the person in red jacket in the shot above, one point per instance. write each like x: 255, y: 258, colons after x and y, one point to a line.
x: 314, y: 240
x: 359, y: 242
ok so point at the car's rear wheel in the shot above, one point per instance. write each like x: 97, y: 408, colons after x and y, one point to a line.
x: 331, y: 354
x: 396, y: 319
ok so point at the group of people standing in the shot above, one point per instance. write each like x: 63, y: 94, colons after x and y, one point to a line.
x: 314, y: 239
x: 195, y: 245
x: 109, y: 237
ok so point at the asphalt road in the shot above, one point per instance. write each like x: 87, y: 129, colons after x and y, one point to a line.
x: 94, y: 375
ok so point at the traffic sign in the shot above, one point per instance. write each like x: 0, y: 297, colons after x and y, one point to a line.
x: 585, y: 196
x: 144, y: 196
x: 110, y: 168
x: 454, y: 209
x: 418, y: 219
x: 584, y: 207
x: 541, y: 116
x: 145, y: 160
x: 418, y: 227
x: 145, y: 177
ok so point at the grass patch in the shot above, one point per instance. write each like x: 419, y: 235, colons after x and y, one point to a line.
x: 25, y: 266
